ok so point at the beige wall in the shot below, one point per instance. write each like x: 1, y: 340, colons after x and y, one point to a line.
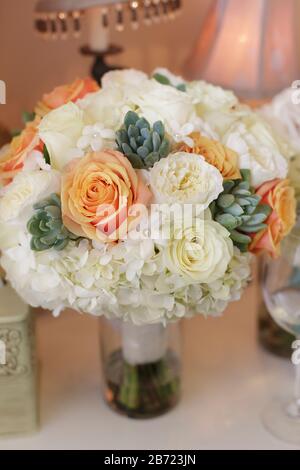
x: 31, y: 66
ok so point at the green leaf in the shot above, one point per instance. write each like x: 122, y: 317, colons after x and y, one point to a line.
x: 15, y: 132
x: 164, y: 149
x: 162, y: 79
x: 143, y: 152
x: 145, y: 133
x: 246, y: 175
x: 181, y: 87
x: 46, y: 155
x: 159, y: 128
x: 241, y: 192
x: 257, y: 218
x: 254, y: 199
x: 54, y: 211
x: 28, y: 116
x: 142, y: 123
x: 228, y: 185
x: 136, y: 161
x: 126, y: 149
x: 43, y: 225
x: 239, y: 237
x: 55, y: 199
x: 252, y: 228
x: 131, y: 118
x: 227, y: 220
x: 264, y: 209
x: 133, y: 144
x: 235, y: 210
x: 148, y: 143
x: 37, y: 245
x: 60, y: 244
x: 133, y: 131
x: 249, y: 210
x: 33, y: 226
x: 151, y: 159
x: 156, y: 142
x: 225, y: 200
x: 243, y: 201
x: 122, y: 137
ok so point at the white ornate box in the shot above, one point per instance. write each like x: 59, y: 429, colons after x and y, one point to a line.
x: 18, y: 387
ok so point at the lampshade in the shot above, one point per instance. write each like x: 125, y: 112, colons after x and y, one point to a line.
x: 249, y: 46
x: 58, y: 17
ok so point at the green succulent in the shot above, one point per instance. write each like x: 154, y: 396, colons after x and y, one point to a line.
x: 142, y: 144
x: 239, y: 210
x: 46, y: 226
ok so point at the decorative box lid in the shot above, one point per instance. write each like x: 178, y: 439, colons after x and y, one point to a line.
x: 12, y: 308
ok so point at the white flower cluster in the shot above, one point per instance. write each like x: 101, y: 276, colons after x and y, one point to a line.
x: 147, y: 280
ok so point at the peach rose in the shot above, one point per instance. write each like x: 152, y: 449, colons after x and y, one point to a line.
x: 65, y: 93
x: 280, y: 196
x: 215, y: 153
x: 100, y: 193
x: 13, y: 156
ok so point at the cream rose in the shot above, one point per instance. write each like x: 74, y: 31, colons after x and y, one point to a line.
x: 108, y: 106
x: 257, y: 149
x: 123, y: 77
x: 60, y: 130
x: 25, y: 190
x: 208, y: 97
x: 185, y: 178
x: 200, y: 251
x: 159, y: 102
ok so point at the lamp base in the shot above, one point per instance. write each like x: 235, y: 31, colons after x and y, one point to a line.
x: 100, y: 67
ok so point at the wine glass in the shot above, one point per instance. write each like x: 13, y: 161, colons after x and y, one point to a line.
x: 281, y: 290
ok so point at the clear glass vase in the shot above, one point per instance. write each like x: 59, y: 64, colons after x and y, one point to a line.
x: 271, y: 336
x: 281, y: 289
x: 141, y: 367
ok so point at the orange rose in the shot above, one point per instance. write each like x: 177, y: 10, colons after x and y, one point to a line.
x: 98, y: 195
x: 280, y: 196
x: 215, y: 153
x: 12, y: 159
x: 64, y: 94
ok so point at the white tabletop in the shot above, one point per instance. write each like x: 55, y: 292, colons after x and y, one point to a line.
x: 228, y: 379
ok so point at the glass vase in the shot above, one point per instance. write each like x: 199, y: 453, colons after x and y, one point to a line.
x: 271, y: 336
x: 141, y: 367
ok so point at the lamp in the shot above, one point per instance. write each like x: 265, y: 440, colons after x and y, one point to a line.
x: 248, y: 46
x: 59, y: 18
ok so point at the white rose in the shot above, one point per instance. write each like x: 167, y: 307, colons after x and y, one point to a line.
x: 185, y: 178
x: 258, y: 150
x: 200, y: 251
x: 60, y: 130
x: 108, y: 106
x: 208, y: 97
x: 123, y: 77
x: 284, y: 116
x: 159, y: 102
x: 26, y: 189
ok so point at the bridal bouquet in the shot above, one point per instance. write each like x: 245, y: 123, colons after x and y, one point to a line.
x: 142, y: 200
